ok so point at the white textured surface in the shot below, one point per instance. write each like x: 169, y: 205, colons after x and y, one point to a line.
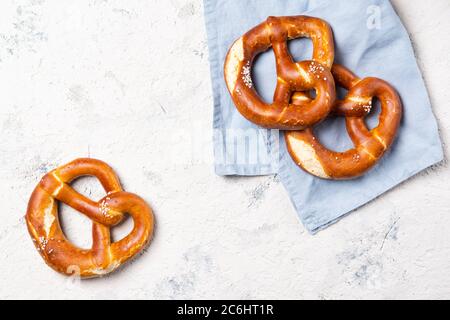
x: 128, y: 82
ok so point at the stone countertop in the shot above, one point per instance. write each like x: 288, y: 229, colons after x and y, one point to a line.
x: 128, y: 83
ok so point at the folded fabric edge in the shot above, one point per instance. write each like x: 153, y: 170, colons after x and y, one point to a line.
x: 257, y: 169
x: 231, y: 169
x: 249, y: 171
x: 314, y: 228
x: 211, y: 35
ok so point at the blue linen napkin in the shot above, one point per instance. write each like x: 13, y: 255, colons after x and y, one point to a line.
x: 371, y: 41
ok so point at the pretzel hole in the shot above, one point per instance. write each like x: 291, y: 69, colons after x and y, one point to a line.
x: 372, y: 120
x: 301, y: 49
x: 264, y: 75
x: 76, y: 227
x: 333, y: 135
x: 341, y: 93
x: 123, y: 229
x: 89, y: 187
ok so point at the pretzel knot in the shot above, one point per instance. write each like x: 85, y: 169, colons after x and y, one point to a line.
x: 292, y: 76
x: 370, y: 145
x: 104, y: 256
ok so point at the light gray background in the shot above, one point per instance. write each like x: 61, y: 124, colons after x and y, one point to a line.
x: 128, y: 82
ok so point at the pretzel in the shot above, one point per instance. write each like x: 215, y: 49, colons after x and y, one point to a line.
x: 370, y: 146
x: 104, y: 256
x: 292, y: 76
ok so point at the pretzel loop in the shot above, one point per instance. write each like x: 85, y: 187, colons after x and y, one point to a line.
x: 370, y: 145
x: 104, y: 256
x: 291, y: 76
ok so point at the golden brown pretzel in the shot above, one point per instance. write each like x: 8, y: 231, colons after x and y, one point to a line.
x: 370, y: 146
x: 104, y: 256
x: 292, y: 76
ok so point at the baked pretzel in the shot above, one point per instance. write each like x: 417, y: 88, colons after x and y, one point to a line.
x: 292, y: 76
x: 370, y: 146
x: 104, y: 256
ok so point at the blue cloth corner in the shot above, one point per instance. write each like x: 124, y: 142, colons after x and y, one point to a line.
x: 371, y: 41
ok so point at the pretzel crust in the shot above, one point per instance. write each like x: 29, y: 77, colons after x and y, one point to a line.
x: 104, y: 257
x: 292, y: 76
x: 370, y: 146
